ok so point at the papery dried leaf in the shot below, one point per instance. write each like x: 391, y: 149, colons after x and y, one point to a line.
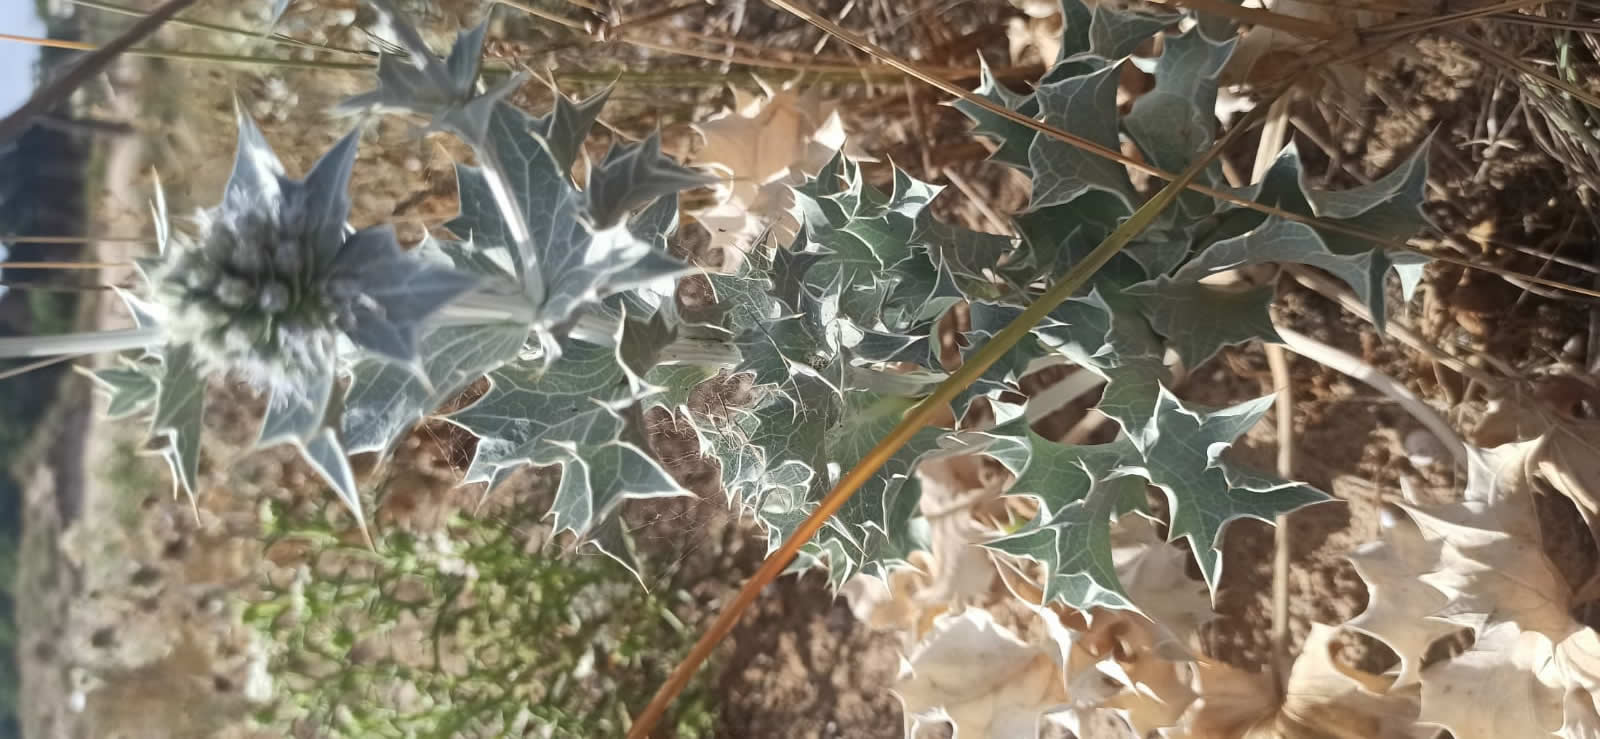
x: 1400, y: 606
x: 1481, y: 565
x: 1557, y: 445
x: 1231, y: 702
x: 1491, y: 690
x: 765, y: 145
x: 1324, y: 699
x: 982, y: 678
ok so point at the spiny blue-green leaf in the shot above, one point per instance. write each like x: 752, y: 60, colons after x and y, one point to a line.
x: 775, y: 351
x: 656, y: 223
x: 953, y: 262
x: 1198, y: 320
x: 859, y: 235
x: 611, y: 538
x: 1013, y: 138
x: 725, y: 437
x: 567, y: 262
x: 444, y: 91
x: 567, y: 124
x: 1203, y: 492
x: 1059, y: 475
x: 789, y: 269
x: 555, y: 412
x: 1074, y: 545
x: 866, y: 419
x: 631, y: 175
x: 1085, y: 105
x: 987, y: 320
x: 923, y: 292
x: 385, y: 399
x: 674, y: 383
x: 596, y: 478
x: 1177, y: 121
x: 132, y: 387
x: 915, y: 346
x: 792, y: 433
x: 1111, y: 339
x: 180, y: 406
x: 1076, y: 19
x: 294, y: 415
x: 744, y: 300
x: 400, y: 292
x: 826, y: 440
x: 1390, y: 207
x: 1114, y: 34
x: 328, y: 457
x: 1057, y: 237
x: 651, y: 286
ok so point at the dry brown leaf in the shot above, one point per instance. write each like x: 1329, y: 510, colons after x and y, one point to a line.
x: 1231, y: 702
x: 955, y: 572
x: 1326, y: 699
x: 1261, y: 46
x: 983, y: 678
x: 1401, y: 607
x: 947, y: 609
x: 1156, y: 578
x: 1322, y: 700
x: 1491, y: 690
x: 1155, y: 689
x: 1558, y: 442
x: 1531, y: 660
x: 765, y: 144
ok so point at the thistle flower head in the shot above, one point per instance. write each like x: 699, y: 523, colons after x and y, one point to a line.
x: 275, y: 276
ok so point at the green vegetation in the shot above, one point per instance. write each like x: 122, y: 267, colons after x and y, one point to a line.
x: 463, y: 633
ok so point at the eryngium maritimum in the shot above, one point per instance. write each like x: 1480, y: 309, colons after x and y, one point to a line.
x: 276, y: 276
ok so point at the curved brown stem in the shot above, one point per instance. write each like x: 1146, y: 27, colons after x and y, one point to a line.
x: 57, y: 90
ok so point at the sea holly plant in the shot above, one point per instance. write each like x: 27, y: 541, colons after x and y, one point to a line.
x: 273, y: 289
x: 563, y: 298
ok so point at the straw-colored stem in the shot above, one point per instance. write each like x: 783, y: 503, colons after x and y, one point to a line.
x: 919, y: 416
x: 58, y: 89
x: 63, y: 265
x: 91, y: 342
x: 276, y: 38
x: 32, y: 239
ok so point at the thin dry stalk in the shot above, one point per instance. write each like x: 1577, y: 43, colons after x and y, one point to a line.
x: 1347, y: 364
x: 57, y: 90
x: 1278, y: 362
x: 277, y: 38
x: 41, y: 364
x: 992, y: 216
x: 1526, y: 69
x: 64, y: 265
x: 1273, y: 136
x: 1396, y: 328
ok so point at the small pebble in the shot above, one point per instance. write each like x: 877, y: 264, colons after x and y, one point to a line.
x: 1574, y: 346
x: 1423, y: 448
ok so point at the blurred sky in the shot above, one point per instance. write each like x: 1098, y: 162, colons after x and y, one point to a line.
x: 17, y: 17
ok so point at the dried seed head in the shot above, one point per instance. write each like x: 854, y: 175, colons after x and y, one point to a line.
x: 274, y: 298
x: 233, y: 292
x: 273, y: 278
